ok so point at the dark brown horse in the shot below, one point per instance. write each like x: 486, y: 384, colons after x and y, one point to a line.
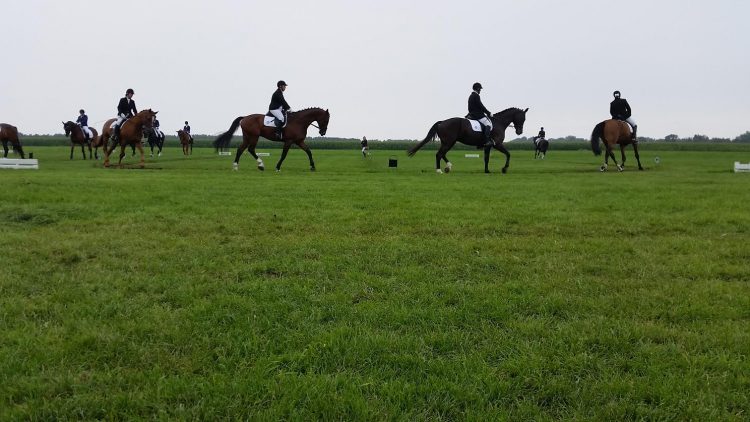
x: 294, y: 133
x: 613, y: 132
x: 457, y: 129
x: 540, y: 147
x: 186, y: 141
x: 77, y: 137
x: 9, y: 133
x: 131, y: 133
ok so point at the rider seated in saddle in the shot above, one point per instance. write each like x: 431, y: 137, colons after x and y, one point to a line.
x: 477, y: 111
x: 363, y: 143
x: 540, y: 135
x: 157, y: 132
x: 125, y: 110
x: 279, y: 107
x: 83, y: 122
x: 620, y: 110
x: 186, y: 129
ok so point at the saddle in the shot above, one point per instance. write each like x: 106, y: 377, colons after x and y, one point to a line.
x: 270, y: 120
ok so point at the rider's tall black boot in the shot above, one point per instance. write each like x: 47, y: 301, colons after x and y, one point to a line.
x: 488, y: 142
x: 279, y: 128
x: 635, y: 132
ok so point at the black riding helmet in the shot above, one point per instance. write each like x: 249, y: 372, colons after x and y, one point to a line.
x: 476, y: 86
x: 616, y: 94
x: 279, y: 84
x: 130, y: 91
x: 81, y: 111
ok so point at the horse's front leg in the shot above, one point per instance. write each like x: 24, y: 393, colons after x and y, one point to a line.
x: 307, y: 150
x: 500, y: 147
x: 637, y: 156
x: 72, y: 149
x: 5, y: 149
x: 622, y: 154
x: 83, y: 150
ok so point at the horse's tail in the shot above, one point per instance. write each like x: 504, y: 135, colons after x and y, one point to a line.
x: 225, y: 138
x: 430, y: 137
x: 596, y: 135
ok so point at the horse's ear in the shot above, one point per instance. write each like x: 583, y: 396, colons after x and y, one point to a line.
x: 155, y: 112
x: 62, y: 122
x: 527, y: 109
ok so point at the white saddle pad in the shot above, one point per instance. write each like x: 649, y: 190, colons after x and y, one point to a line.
x: 475, y: 125
x: 270, y: 121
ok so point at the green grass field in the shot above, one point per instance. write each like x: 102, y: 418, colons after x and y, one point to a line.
x: 359, y: 292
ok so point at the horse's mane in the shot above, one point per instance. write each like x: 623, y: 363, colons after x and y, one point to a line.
x: 507, y: 110
x: 306, y: 109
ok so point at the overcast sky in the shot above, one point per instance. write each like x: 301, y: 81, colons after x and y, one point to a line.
x: 385, y: 69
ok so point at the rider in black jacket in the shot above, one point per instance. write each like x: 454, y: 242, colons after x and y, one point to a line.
x: 279, y: 107
x: 478, y: 111
x: 620, y: 110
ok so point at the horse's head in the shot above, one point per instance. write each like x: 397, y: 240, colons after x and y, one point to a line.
x: 323, y: 123
x: 68, y: 126
x: 147, y: 118
x: 518, y: 120
x: 514, y: 116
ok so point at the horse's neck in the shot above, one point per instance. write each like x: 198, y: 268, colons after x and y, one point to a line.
x: 505, y: 119
x: 306, y: 117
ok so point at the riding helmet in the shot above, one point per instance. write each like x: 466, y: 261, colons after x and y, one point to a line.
x: 81, y: 111
x: 476, y: 86
x: 130, y: 91
x: 616, y: 94
x: 280, y: 83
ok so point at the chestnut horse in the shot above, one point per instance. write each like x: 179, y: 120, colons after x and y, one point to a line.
x: 131, y: 133
x: 458, y: 129
x: 613, y: 132
x: 294, y: 133
x: 77, y: 137
x: 186, y: 141
x: 9, y: 133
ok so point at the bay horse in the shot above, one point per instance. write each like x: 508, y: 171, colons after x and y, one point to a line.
x: 294, y: 133
x: 614, y: 132
x: 186, y: 141
x: 540, y: 147
x: 9, y: 133
x: 77, y: 137
x: 131, y: 133
x: 458, y: 129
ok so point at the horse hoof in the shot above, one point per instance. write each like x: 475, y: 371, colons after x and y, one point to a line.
x: 640, y: 168
x: 486, y: 172
x: 143, y: 166
x: 505, y: 170
x: 602, y: 169
x: 312, y: 168
x: 438, y: 171
x: 620, y: 168
x: 261, y: 168
x: 278, y: 170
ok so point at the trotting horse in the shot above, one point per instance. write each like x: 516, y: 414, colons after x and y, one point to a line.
x: 613, y: 132
x: 186, y: 141
x: 77, y: 137
x: 9, y: 133
x: 458, y: 129
x: 540, y: 147
x: 131, y: 133
x: 294, y: 133
x: 154, y: 140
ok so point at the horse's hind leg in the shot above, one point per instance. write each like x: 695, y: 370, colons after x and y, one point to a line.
x: 448, y: 164
x: 5, y: 148
x: 72, y: 149
x: 251, y: 151
x: 240, y: 150
x: 83, y: 150
x: 622, y: 154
